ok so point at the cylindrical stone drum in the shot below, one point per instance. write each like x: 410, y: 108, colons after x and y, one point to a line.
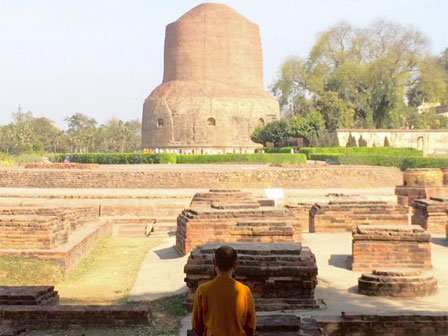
x: 423, y: 177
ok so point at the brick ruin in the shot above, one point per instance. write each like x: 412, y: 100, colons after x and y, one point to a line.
x: 391, y: 246
x: 61, y: 234
x: 280, y: 275
x: 422, y: 183
x: 431, y: 214
x: 426, y: 191
x: 233, y: 216
x: 345, y: 213
x: 397, y: 283
x: 28, y: 296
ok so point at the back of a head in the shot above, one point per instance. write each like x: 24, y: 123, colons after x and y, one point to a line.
x: 225, y: 257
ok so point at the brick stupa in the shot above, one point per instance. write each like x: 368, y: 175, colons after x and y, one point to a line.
x: 212, y: 96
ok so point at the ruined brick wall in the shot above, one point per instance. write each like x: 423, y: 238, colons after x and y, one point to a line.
x: 32, y: 232
x: 386, y: 325
x: 430, y: 214
x: 391, y: 246
x: 65, y: 316
x: 289, y: 178
x: 75, y: 216
x: 68, y: 257
x: 422, y: 183
x: 266, y: 225
x: 344, y: 216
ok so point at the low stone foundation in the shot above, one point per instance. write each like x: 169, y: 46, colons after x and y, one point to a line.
x: 202, y: 176
x: 280, y: 276
x: 239, y: 218
x: 385, y: 325
x: 28, y: 296
x: 32, y: 232
x: 390, y: 246
x: 345, y: 214
x: 421, y: 183
x: 397, y: 283
x: 69, y: 255
x: 431, y: 214
x: 68, y: 316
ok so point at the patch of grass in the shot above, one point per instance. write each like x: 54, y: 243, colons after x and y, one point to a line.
x: 27, y: 272
x: 165, y: 320
x: 108, y: 274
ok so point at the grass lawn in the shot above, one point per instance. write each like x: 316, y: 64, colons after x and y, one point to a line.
x: 104, y: 277
x: 108, y: 274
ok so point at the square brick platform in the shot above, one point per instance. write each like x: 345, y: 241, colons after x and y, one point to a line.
x: 390, y: 246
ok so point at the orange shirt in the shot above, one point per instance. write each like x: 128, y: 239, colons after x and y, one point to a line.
x: 223, y: 307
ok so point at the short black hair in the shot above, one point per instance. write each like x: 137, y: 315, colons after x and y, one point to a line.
x: 225, y: 257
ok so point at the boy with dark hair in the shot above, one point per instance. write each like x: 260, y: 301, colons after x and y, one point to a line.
x: 224, y: 306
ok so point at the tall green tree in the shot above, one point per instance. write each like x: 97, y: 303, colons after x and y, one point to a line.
x: 358, y: 77
x: 81, y: 132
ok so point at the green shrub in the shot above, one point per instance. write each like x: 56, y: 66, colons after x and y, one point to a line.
x: 378, y: 160
x: 324, y: 157
x: 276, y: 149
x: 111, y: 158
x: 254, y: 158
x: 362, y: 142
x: 423, y: 162
x: 167, y: 158
x: 382, y: 151
x: 351, y: 141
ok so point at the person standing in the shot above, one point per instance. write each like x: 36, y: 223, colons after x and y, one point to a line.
x: 224, y: 306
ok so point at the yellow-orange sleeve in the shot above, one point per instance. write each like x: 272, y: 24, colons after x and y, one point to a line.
x: 251, y: 319
x: 197, y: 317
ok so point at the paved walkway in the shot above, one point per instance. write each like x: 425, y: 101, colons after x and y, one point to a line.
x: 161, y: 274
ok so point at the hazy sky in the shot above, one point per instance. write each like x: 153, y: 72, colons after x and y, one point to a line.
x: 104, y: 57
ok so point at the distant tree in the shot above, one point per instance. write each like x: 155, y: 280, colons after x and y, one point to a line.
x: 312, y: 125
x: 358, y: 77
x: 275, y: 132
x: 362, y: 142
x: 351, y: 141
x: 386, y: 142
x: 81, y: 132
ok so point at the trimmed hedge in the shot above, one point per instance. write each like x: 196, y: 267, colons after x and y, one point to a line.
x: 286, y: 150
x: 136, y: 158
x: 353, y: 151
x: 254, y: 158
x: 378, y: 160
x: 116, y: 158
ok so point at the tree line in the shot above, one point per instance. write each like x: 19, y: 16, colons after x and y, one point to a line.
x: 372, y: 77
x: 27, y: 134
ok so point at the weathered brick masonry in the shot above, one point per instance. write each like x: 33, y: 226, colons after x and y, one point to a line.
x: 422, y: 183
x: 280, y: 276
x: 32, y: 232
x: 65, y: 316
x: 239, y: 218
x: 157, y: 178
x: 431, y: 214
x: 385, y: 325
x: 28, y: 296
x: 345, y: 215
x: 397, y: 283
x: 391, y: 246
